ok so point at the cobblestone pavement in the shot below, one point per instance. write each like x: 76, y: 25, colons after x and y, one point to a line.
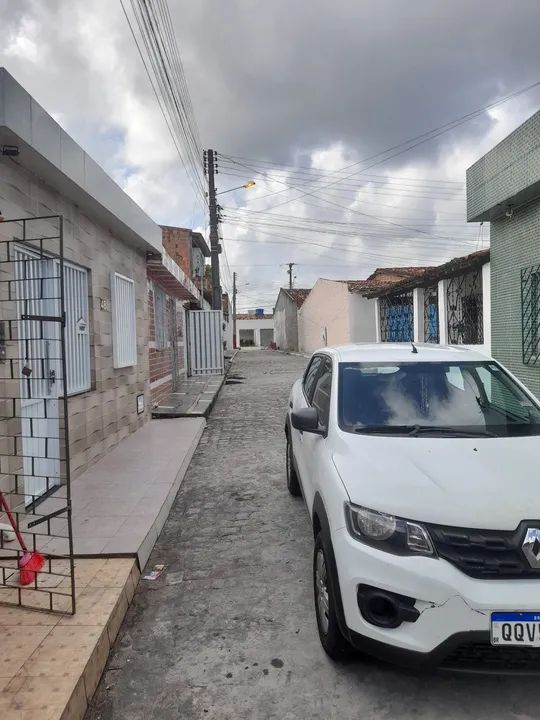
x: 228, y: 631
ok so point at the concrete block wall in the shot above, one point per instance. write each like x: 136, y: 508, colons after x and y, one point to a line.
x: 101, y: 417
x: 515, y: 245
x: 511, y: 168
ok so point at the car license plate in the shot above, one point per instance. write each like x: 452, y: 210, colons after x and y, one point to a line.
x: 515, y: 628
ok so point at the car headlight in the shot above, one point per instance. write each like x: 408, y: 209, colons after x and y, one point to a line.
x: 386, y: 532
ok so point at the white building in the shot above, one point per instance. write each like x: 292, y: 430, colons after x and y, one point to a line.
x: 336, y: 311
x: 254, y: 330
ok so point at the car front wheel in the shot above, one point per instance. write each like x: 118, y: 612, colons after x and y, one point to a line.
x: 293, y: 484
x: 326, y: 591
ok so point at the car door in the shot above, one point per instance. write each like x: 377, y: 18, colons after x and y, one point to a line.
x: 302, y: 399
x: 315, y: 446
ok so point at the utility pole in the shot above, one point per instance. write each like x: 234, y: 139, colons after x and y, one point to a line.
x: 234, y: 309
x: 290, y: 274
x: 215, y: 247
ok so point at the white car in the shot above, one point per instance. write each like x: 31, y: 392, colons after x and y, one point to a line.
x: 420, y: 468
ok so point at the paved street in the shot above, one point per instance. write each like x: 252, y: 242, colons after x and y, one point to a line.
x: 228, y: 631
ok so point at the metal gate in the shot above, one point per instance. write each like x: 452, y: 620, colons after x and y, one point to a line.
x: 205, y: 342
x: 34, y: 437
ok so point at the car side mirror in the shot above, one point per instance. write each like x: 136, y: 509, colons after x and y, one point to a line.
x: 306, y: 420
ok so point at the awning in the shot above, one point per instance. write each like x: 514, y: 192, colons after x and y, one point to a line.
x: 170, y: 276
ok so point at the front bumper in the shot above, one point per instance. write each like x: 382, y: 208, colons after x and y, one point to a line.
x: 454, y: 609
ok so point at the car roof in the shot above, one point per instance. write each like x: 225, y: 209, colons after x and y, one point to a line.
x: 403, y: 352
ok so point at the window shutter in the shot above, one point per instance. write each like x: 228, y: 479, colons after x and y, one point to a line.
x: 77, y: 329
x: 124, y: 324
x: 160, y: 318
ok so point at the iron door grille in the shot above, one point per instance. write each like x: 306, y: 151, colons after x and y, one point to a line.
x: 465, y: 313
x: 431, y: 314
x: 530, y: 314
x: 396, y: 317
x: 77, y: 329
x: 124, y: 325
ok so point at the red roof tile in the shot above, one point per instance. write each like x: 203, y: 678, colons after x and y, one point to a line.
x: 297, y: 295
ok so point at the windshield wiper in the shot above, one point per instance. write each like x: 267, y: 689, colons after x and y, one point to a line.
x: 381, y: 429
x: 448, y: 430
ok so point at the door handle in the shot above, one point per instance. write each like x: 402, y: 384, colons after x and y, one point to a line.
x: 50, y: 374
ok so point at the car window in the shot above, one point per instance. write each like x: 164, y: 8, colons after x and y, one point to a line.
x: 469, y: 397
x: 321, y: 396
x: 311, y: 376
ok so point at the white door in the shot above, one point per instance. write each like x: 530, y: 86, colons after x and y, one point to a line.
x: 205, y: 342
x: 38, y: 295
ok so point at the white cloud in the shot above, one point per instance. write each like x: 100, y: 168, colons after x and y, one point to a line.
x: 268, y: 94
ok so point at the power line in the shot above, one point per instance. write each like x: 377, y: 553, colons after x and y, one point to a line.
x: 163, y: 66
x: 405, y: 145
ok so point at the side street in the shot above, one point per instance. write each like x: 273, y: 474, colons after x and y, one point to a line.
x: 269, y: 413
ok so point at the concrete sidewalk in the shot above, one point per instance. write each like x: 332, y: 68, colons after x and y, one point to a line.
x: 120, y: 505
x: 51, y: 663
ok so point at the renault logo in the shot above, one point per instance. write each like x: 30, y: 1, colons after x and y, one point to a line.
x: 531, y: 547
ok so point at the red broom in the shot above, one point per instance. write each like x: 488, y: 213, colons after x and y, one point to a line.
x: 31, y: 562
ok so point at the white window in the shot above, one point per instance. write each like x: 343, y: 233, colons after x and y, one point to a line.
x: 124, y: 321
x: 77, y: 328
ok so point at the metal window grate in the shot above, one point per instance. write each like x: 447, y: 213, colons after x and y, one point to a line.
x: 396, y: 317
x: 123, y: 321
x: 431, y: 314
x: 465, y: 311
x: 77, y: 329
x: 530, y: 314
x: 160, y: 318
x: 34, y: 417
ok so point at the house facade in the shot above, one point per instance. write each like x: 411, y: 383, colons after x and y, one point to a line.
x: 337, y: 312
x: 106, y: 239
x: 170, y: 293
x: 447, y: 304
x: 503, y: 188
x: 254, y: 331
x: 288, y: 302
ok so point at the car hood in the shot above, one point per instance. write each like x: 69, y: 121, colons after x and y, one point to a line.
x: 467, y: 482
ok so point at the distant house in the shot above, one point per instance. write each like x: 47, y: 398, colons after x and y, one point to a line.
x: 447, y: 304
x: 254, y: 330
x: 336, y: 311
x: 289, y: 301
x: 503, y: 188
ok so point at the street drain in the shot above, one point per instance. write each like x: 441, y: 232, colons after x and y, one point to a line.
x: 234, y: 382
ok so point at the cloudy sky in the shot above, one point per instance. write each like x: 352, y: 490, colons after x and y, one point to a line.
x: 289, y: 92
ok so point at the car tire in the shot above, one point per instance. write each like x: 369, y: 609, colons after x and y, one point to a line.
x: 326, y: 596
x: 293, y: 484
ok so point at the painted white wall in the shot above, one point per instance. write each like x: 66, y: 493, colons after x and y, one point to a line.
x: 255, y: 324
x: 286, y: 322
x: 323, y: 319
x: 362, y: 319
x: 418, y: 315
x: 443, y: 313
x: 228, y: 334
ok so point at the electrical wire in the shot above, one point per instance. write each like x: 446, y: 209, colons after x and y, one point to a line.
x: 406, y: 145
x: 163, y: 66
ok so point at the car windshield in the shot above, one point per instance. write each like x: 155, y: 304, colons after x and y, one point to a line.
x: 434, y: 398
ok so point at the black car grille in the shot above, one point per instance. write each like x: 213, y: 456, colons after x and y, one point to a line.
x: 487, y: 658
x: 495, y: 554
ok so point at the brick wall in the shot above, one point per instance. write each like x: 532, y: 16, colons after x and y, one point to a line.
x: 162, y: 377
x: 515, y: 244
x: 103, y: 416
x: 177, y: 243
